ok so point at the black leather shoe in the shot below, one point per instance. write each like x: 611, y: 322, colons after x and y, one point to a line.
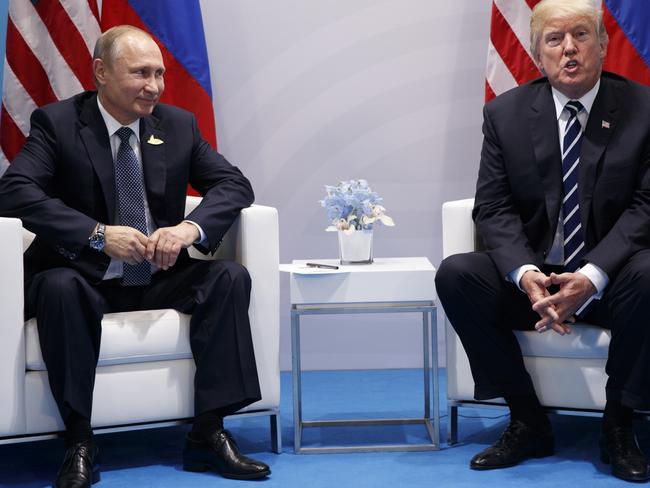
x: 517, y: 443
x: 80, y: 467
x: 220, y: 453
x: 619, y: 447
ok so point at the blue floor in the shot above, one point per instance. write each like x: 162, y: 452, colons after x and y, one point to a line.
x: 151, y: 458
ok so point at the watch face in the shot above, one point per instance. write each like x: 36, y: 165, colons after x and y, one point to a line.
x: 96, y: 242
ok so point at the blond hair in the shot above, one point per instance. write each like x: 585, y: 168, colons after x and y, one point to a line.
x: 548, y: 10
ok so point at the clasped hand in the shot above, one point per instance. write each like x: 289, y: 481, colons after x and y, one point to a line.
x: 556, y: 310
x: 160, y: 248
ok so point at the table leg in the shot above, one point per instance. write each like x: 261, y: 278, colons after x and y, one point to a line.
x: 426, y: 369
x: 296, y: 377
x: 436, y: 382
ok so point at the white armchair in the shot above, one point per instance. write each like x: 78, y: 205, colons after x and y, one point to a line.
x: 568, y: 371
x: 145, y: 371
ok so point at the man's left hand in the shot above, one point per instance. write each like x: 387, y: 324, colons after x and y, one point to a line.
x: 166, y: 243
x: 575, y: 290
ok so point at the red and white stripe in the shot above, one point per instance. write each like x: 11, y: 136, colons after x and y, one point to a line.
x: 48, y: 58
x: 509, y: 61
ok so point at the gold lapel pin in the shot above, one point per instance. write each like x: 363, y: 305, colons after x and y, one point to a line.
x: 154, y: 141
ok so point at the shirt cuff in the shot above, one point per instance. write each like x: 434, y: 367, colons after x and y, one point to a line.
x: 515, y: 275
x: 202, y: 237
x: 597, y: 276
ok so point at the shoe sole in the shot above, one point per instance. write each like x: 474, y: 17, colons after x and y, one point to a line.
x: 197, y: 467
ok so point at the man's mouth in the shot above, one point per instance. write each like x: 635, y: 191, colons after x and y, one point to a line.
x: 571, y: 65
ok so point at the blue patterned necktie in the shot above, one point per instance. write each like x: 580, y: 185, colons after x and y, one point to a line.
x: 574, y: 244
x: 130, y: 198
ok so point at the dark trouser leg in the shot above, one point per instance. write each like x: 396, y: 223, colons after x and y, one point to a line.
x: 217, y: 294
x: 69, y: 313
x: 483, y: 309
x: 625, y: 309
x: 627, y: 304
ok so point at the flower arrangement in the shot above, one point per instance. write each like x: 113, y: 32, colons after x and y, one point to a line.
x: 352, y: 205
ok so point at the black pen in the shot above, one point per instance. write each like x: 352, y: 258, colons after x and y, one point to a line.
x: 324, y: 266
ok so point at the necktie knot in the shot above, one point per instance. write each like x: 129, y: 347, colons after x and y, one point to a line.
x: 574, y: 107
x: 124, y: 133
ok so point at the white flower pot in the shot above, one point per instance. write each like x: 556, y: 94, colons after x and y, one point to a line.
x: 355, y: 247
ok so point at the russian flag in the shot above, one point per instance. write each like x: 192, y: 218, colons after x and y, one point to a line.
x: 177, y: 27
x: 629, y: 38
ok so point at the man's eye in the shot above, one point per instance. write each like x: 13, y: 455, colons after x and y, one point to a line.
x: 553, y: 40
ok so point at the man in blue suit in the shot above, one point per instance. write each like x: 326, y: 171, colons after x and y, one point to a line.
x: 563, y: 207
x: 101, y: 181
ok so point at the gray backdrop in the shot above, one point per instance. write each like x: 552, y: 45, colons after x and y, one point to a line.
x: 309, y: 92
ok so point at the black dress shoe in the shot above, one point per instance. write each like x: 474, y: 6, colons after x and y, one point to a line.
x: 220, y: 453
x: 80, y: 467
x: 619, y: 447
x: 518, y: 442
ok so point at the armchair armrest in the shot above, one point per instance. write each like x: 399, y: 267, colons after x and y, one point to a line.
x: 458, y: 232
x: 458, y: 236
x: 12, y: 338
x: 253, y: 241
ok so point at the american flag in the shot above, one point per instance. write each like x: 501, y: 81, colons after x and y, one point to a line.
x: 48, y: 58
x: 510, y: 64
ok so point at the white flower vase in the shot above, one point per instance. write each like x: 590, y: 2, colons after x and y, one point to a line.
x: 355, y: 247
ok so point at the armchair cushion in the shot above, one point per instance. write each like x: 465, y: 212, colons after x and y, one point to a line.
x: 128, y: 337
x: 585, y: 341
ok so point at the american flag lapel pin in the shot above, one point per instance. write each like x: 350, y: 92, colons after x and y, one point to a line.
x: 605, y: 125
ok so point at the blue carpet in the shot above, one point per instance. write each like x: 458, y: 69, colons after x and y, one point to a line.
x: 151, y: 458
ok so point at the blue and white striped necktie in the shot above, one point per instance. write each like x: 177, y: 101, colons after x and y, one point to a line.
x: 574, y: 243
x: 130, y: 197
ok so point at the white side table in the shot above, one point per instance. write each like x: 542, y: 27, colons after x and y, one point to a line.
x: 389, y: 285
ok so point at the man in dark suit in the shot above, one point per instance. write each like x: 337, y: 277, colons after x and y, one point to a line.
x: 101, y: 181
x: 563, y: 206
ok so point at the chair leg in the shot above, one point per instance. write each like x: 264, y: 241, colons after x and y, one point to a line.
x: 452, y: 431
x: 276, y: 433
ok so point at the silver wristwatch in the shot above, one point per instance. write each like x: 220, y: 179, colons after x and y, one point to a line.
x: 96, y: 241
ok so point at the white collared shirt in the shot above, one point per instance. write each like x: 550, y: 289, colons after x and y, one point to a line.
x: 112, y: 125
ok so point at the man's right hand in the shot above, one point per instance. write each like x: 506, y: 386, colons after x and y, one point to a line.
x: 125, y: 243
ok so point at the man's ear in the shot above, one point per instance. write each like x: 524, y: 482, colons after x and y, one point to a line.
x: 99, y: 71
x: 538, y: 63
x: 603, y: 50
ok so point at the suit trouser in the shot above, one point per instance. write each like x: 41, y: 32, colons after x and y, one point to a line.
x: 484, y: 309
x: 69, y: 311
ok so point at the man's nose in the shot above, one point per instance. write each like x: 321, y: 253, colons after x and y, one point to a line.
x: 569, y: 44
x: 152, y: 85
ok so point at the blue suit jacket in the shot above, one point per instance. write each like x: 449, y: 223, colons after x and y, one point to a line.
x: 519, y: 189
x: 63, y: 182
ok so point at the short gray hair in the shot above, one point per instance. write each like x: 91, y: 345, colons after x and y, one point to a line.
x: 107, y: 47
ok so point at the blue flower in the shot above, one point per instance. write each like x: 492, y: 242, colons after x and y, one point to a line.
x: 353, y: 205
